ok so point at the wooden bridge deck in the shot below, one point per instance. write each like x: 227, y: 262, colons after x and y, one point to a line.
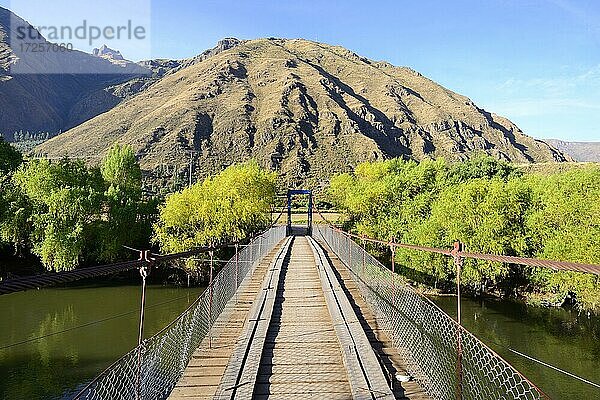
x: 304, y: 352
x: 301, y: 357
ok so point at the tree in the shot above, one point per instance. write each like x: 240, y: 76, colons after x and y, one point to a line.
x: 229, y: 206
x: 10, y: 158
x: 15, y: 214
x: 66, y: 200
x: 564, y: 224
x: 123, y: 191
x: 488, y: 216
x: 481, y: 166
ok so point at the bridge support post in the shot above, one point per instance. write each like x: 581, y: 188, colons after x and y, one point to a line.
x: 458, y: 262
x: 210, y: 297
x: 144, y: 270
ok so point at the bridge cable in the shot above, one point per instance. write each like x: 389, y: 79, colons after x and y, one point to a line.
x: 552, y: 264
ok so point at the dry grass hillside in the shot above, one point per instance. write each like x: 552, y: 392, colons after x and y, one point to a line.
x: 306, y: 109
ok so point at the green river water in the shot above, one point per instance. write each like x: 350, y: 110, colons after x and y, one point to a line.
x: 555, y: 336
x: 99, y: 324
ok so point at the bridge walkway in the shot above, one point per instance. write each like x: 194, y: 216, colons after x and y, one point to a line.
x: 207, y: 366
x: 309, y: 346
x: 301, y: 357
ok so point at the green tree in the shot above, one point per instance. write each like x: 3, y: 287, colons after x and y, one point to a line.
x: 229, y: 206
x: 15, y: 214
x: 10, y: 158
x: 565, y: 225
x: 66, y: 200
x: 481, y: 166
x: 487, y: 216
x: 123, y: 181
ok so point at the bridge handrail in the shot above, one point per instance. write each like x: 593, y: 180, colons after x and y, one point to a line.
x: 151, y: 370
x: 531, y: 262
x: 48, y: 279
x: 449, y: 361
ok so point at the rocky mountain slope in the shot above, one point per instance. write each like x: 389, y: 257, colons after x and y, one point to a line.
x: 580, y: 151
x: 36, y: 97
x: 306, y: 109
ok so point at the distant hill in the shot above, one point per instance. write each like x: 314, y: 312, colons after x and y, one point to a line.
x: 306, y: 109
x: 33, y: 100
x: 580, y: 151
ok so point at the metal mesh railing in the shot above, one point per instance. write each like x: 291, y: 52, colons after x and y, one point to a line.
x: 448, y: 361
x: 151, y: 370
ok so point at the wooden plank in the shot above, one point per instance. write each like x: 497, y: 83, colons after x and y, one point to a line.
x: 209, y: 361
x: 375, y: 331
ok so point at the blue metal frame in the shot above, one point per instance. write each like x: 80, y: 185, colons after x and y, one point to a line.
x: 295, y: 192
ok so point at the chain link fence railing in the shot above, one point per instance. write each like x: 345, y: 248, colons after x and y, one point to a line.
x: 448, y: 361
x: 151, y: 370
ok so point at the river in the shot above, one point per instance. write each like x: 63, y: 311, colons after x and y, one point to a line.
x: 555, y: 336
x: 72, y: 334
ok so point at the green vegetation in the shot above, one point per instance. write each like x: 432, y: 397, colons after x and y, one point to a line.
x: 67, y: 213
x: 227, y: 207
x: 10, y: 159
x: 492, y: 207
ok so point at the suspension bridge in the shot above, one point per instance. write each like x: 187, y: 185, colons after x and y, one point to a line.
x: 306, y: 312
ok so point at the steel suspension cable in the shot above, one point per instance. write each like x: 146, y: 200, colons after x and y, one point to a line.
x: 531, y: 262
x: 49, y: 279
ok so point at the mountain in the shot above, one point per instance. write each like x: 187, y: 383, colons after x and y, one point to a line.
x: 580, y: 151
x: 304, y: 108
x: 108, y: 53
x: 50, y: 91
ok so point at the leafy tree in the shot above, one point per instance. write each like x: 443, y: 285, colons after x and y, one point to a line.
x: 10, y: 158
x: 67, y: 204
x: 487, y: 216
x: 229, y: 206
x: 564, y: 224
x: 15, y: 212
x: 123, y: 181
x: 481, y: 166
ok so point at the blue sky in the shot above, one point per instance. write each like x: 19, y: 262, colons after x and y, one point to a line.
x: 536, y: 62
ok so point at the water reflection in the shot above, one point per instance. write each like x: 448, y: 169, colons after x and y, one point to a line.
x: 72, y: 334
